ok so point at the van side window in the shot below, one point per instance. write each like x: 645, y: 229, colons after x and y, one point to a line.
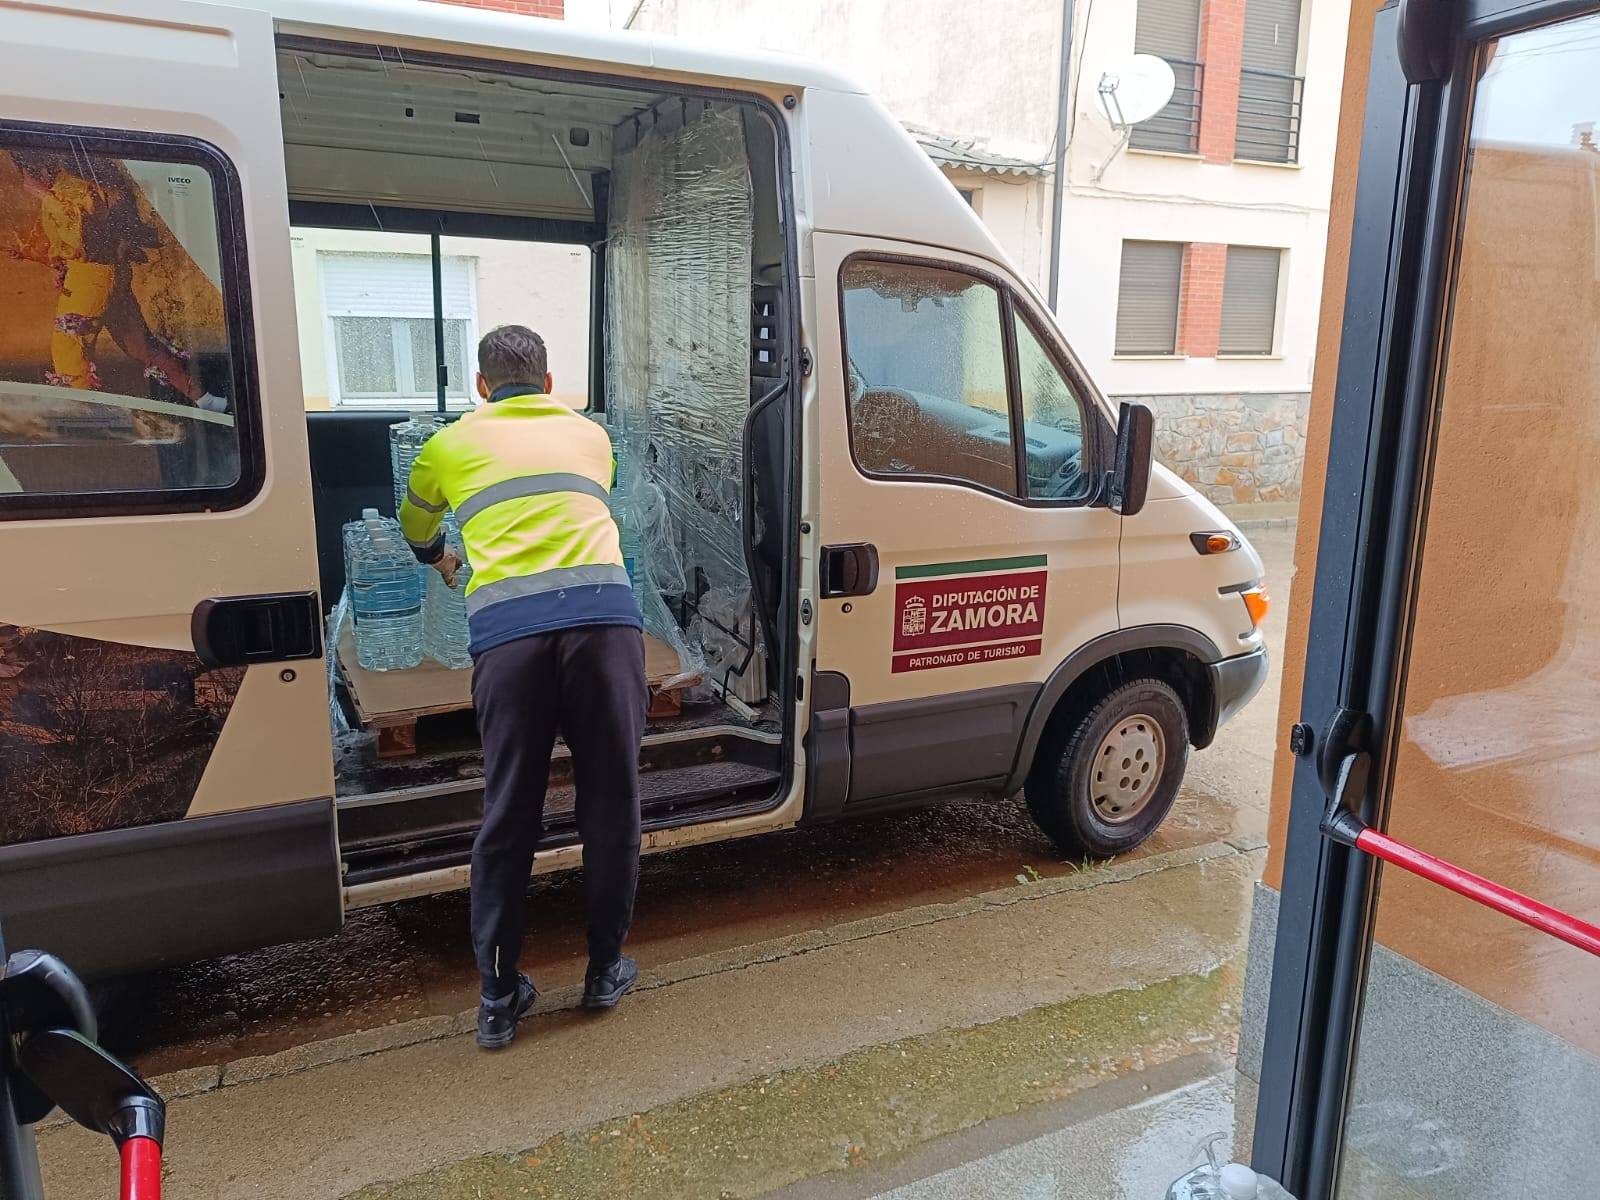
x: 122, y: 374
x: 927, y: 374
x: 1052, y: 422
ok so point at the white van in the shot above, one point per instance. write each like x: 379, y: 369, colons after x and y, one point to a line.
x: 899, y: 548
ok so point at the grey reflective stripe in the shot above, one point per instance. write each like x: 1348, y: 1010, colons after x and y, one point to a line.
x: 553, y: 580
x: 529, y: 485
x: 419, y: 502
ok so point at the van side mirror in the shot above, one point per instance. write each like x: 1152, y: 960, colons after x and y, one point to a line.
x: 1130, y: 472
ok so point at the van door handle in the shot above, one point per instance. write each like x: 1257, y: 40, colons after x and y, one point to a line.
x: 849, y: 570
x: 236, y: 631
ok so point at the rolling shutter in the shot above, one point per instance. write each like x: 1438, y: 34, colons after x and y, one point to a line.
x: 394, y: 285
x: 1147, y: 297
x: 1250, y: 300
x: 1170, y: 29
x: 1272, y: 35
x: 1268, y: 125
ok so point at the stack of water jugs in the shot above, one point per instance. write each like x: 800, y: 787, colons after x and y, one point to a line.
x: 402, y: 610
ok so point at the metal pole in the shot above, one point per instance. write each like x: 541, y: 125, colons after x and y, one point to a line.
x: 443, y: 367
x: 1058, y: 183
x: 19, y: 1160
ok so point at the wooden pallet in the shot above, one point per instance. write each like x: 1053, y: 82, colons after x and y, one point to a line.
x: 390, y: 703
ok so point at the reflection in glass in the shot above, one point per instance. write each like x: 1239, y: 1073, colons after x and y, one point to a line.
x: 117, y: 373
x: 1477, y: 1070
x: 928, y: 376
x: 1053, y: 423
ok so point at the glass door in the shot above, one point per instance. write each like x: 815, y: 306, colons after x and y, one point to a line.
x: 1476, y: 1068
x: 1422, y: 1042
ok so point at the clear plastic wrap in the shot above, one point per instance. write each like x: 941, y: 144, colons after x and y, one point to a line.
x: 335, y: 626
x: 678, y: 378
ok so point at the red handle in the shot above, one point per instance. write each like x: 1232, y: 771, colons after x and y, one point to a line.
x: 1475, y: 887
x: 141, y: 1169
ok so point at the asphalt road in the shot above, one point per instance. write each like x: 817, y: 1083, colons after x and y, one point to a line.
x: 411, y: 959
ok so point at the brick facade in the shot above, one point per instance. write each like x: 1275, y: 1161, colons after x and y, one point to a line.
x: 1205, y: 264
x: 1221, y: 53
x: 555, y: 9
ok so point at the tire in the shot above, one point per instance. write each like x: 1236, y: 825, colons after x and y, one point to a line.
x: 1090, y: 811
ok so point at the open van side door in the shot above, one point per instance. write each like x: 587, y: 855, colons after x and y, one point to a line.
x: 163, y: 706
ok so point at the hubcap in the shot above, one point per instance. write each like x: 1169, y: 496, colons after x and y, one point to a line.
x: 1127, y: 768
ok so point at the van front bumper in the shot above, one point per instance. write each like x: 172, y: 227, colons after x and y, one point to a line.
x: 1235, y: 681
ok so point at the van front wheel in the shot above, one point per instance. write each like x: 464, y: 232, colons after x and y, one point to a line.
x: 1101, y: 784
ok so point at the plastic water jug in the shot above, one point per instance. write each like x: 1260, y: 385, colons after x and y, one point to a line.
x: 385, y: 593
x: 406, y: 440
x: 445, y: 635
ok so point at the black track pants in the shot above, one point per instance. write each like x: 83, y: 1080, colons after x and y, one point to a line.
x: 588, y: 684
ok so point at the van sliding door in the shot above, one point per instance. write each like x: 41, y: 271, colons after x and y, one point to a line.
x: 163, y: 707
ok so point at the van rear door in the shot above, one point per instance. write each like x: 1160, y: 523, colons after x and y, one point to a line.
x: 163, y: 706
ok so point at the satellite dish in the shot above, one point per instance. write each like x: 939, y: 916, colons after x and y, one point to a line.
x: 1134, y: 88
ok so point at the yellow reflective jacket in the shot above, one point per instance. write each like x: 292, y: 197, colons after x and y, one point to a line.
x: 530, y: 481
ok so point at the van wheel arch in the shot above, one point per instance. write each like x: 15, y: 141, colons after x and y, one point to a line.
x: 1174, y: 654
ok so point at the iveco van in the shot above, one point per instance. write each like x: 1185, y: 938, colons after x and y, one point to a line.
x: 899, y: 548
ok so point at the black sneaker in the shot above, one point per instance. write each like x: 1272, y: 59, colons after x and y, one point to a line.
x: 497, y: 1019
x: 604, y: 987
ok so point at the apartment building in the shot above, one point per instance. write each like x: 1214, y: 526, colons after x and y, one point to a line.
x: 1193, y: 242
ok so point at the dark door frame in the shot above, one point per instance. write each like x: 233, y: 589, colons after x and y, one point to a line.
x: 1403, y: 242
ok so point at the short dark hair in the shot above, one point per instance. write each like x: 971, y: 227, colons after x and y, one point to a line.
x: 513, y: 354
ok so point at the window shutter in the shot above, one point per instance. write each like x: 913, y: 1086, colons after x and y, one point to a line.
x: 1268, y: 126
x: 1170, y: 29
x: 1147, y: 297
x: 394, y: 285
x: 1250, y: 300
x: 1272, y: 35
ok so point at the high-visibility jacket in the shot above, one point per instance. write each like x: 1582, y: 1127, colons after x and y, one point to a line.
x: 530, y: 481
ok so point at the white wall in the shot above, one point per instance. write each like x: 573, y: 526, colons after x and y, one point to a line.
x: 542, y: 286
x: 1182, y: 199
x: 954, y: 67
x: 1017, y: 211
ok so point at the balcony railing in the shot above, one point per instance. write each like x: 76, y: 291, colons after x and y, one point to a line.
x: 1269, y: 116
x: 1176, y: 128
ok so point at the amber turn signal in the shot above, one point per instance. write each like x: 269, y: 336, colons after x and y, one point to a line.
x: 1256, y: 603
x: 1215, y: 541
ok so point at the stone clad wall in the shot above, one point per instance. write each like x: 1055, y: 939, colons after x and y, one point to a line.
x: 1235, y: 448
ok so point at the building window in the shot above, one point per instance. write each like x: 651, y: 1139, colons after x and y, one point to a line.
x: 1147, y: 297
x: 927, y: 374
x: 1270, y: 90
x: 970, y: 195
x: 379, y: 308
x: 1170, y: 29
x: 127, y: 385
x: 1250, y: 300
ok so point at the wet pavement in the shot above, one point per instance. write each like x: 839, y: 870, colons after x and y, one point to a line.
x: 410, y: 959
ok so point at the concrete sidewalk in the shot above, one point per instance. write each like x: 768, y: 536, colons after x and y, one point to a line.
x: 1165, y: 923
x: 1123, y: 1140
